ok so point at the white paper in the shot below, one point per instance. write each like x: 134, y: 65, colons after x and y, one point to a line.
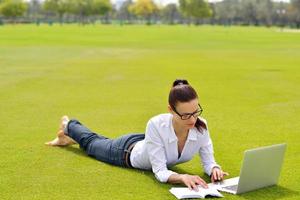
x: 185, y: 192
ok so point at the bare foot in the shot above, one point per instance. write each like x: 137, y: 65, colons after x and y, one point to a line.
x: 62, y: 139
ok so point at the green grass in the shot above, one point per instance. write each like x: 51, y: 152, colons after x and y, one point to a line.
x: 113, y: 79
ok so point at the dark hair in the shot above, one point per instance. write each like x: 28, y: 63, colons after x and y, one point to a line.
x: 183, y: 92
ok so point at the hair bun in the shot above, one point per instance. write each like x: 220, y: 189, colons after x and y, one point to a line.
x: 180, y: 82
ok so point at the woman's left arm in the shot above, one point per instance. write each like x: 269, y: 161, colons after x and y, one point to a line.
x: 210, y: 166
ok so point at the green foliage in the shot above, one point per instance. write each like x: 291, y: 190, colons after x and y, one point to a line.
x: 90, y: 7
x: 236, y: 12
x: 13, y: 8
x: 82, y: 8
x: 294, y: 13
x: 195, y: 8
x: 101, y: 7
x: 57, y: 6
x: 144, y: 8
x: 124, y: 12
x: 227, y: 10
x: 170, y: 12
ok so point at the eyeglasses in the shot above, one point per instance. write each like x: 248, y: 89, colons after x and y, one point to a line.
x: 187, y: 116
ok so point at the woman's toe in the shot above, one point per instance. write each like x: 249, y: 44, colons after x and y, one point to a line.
x: 54, y: 142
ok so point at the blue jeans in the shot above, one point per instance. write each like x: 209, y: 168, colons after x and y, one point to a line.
x: 107, y: 150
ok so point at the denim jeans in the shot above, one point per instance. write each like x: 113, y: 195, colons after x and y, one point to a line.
x: 107, y: 150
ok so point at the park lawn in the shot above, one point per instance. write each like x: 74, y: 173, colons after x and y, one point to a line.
x: 115, y: 78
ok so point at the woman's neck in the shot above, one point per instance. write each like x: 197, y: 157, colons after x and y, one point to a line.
x: 179, y: 131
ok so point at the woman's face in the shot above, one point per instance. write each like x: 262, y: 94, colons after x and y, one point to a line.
x: 184, y: 109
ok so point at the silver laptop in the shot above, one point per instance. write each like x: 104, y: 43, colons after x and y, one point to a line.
x: 261, y: 168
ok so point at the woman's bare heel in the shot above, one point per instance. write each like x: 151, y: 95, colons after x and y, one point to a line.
x: 62, y: 139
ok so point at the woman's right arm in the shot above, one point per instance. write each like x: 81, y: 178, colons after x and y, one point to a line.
x: 191, y: 181
x: 156, y: 150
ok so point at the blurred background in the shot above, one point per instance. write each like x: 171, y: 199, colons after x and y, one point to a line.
x: 283, y: 13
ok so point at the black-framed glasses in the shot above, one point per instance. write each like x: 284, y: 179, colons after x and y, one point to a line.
x: 187, y: 116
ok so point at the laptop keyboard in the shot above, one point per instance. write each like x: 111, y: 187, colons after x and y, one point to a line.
x: 231, y: 187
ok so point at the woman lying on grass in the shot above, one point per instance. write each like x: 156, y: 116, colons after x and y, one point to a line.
x: 170, y: 138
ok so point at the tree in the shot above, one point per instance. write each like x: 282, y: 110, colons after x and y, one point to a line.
x: 102, y: 8
x: 264, y: 12
x: 13, y: 9
x: 170, y: 12
x: 59, y: 7
x: 294, y: 12
x: 144, y: 8
x: 195, y: 9
x: 34, y: 10
x: 227, y: 11
x: 87, y: 8
x: 249, y: 11
x: 124, y: 13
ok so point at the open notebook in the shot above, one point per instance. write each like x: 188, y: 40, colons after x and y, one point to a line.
x: 184, y: 192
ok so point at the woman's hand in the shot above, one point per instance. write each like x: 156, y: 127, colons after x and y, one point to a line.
x: 192, y: 181
x: 217, y: 174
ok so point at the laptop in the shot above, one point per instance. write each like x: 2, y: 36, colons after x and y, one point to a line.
x: 260, y: 168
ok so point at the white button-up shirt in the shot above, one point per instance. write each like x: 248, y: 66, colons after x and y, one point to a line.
x: 159, y: 149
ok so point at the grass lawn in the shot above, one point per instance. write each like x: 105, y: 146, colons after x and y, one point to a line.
x: 113, y: 79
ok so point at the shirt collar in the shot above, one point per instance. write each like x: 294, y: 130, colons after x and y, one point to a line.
x: 172, y: 137
x: 192, y: 135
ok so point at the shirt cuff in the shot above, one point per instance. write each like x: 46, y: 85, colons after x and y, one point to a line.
x: 164, y: 175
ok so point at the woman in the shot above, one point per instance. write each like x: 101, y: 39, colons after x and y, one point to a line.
x: 170, y: 139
